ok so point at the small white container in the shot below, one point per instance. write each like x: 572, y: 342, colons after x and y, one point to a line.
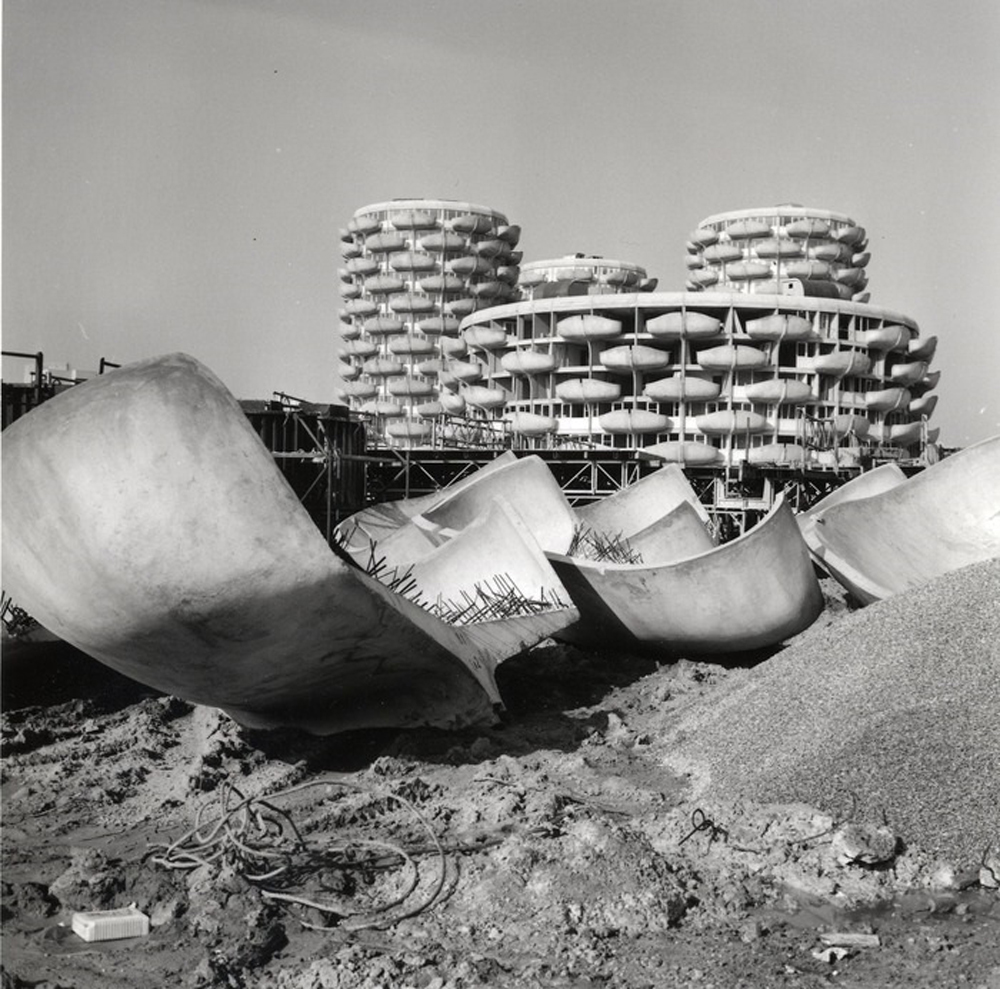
x: 109, y: 925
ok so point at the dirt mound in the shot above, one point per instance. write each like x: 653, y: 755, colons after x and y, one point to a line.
x: 895, y: 708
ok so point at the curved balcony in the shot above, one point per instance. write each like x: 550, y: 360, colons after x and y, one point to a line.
x: 779, y: 391
x: 589, y: 326
x: 382, y: 325
x: 688, y: 452
x: 887, y: 399
x: 438, y: 325
x: 629, y: 421
x: 384, y: 243
x: 407, y: 429
x: 472, y: 223
x: 634, y: 358
x: 780, y: 326
x: 531, y: 424
x: 588, y: 391
x: 776, y: 247
x: 732, y: 357
x: 413, y: 219
x: 840, y: 363
x: 412, y: 261
x: 730, y: 422
x: 682, y: 388
x: 684, y: 325
x: 485, y: 337
x: 484, y: 397
x: 807, y: 228
x: 528, y: 362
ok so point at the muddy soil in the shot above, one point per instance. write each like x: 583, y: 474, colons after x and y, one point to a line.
x: 552, y: 850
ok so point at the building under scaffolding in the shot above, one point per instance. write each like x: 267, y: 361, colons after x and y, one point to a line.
x: 735, y: 497
x: 770, y: 371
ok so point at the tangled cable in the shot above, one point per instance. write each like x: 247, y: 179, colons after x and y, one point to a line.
x: 262, y: 843
x: 700, y: 821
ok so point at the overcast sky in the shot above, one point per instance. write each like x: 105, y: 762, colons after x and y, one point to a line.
x: 175, y: 172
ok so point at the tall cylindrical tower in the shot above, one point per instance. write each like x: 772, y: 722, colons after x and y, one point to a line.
x: 413, y: 269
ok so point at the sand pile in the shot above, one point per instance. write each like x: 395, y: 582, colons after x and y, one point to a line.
x: 898, y: 704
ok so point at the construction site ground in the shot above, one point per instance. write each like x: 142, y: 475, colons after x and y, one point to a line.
x: 554, y: 849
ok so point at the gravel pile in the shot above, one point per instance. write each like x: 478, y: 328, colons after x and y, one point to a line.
x: 897, y: 704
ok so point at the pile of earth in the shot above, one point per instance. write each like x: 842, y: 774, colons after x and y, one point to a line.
x: 895, y: 710
x: 630, y: 823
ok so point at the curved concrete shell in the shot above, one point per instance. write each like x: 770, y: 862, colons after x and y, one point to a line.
x: 780, y: 391
x: 678, y: 535
x: 589, y: 326
x: 378, y: 522
x: 943, y: 518
x: 528, y: 362
x: 922, y: 349
x: 635, y: 357
x: 891, y: 337
x: 625, y: 421
x: 146, y: 524
x: 747, y: 594
x: 684, y: 325
x: 498, y: 544
x: 588, y: 390
x: 727, y: 422
x: 632, y: 509
x: 678, y: 388
x: 730, y: 357
x: 780, y: 326
x: 840, y: 363
x: 528, y: 485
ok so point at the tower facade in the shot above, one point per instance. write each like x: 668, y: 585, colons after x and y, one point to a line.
x: 772, y: 355
x: 413, y: 269
x: 762, y: 251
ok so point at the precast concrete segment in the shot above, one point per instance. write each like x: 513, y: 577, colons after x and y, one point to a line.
x: 529, y: 486
x: 871, y: 482
x: 752, y: 592
x: 678, y: 535
x: 146, y: 524
x: 376, y: 522
x: 497, y: 545
x: 939, y: 520
x: 637, y: 506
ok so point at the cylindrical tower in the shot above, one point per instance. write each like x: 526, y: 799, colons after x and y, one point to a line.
x: 779, y: 250
x: 413, y: 268
x: 581, y: 274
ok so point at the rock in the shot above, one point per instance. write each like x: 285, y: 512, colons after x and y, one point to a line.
x: 28, y: 900
x: 989, y: 872
x: 864, y: 844
x: 850, y: 939
x: 831, y: 955
x: 88, y: 883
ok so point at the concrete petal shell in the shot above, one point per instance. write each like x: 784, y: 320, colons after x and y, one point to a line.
x: 916, y: 529
x: 636, y: 507
x: 175, y: 552
x: 753, y: 592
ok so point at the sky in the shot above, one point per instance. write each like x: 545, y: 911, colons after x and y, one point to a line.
x: 176, y: 172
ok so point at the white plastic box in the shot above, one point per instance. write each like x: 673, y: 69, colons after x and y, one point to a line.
x: 109, y: 925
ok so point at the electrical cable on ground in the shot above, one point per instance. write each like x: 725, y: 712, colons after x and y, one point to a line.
x: 262, y: 842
